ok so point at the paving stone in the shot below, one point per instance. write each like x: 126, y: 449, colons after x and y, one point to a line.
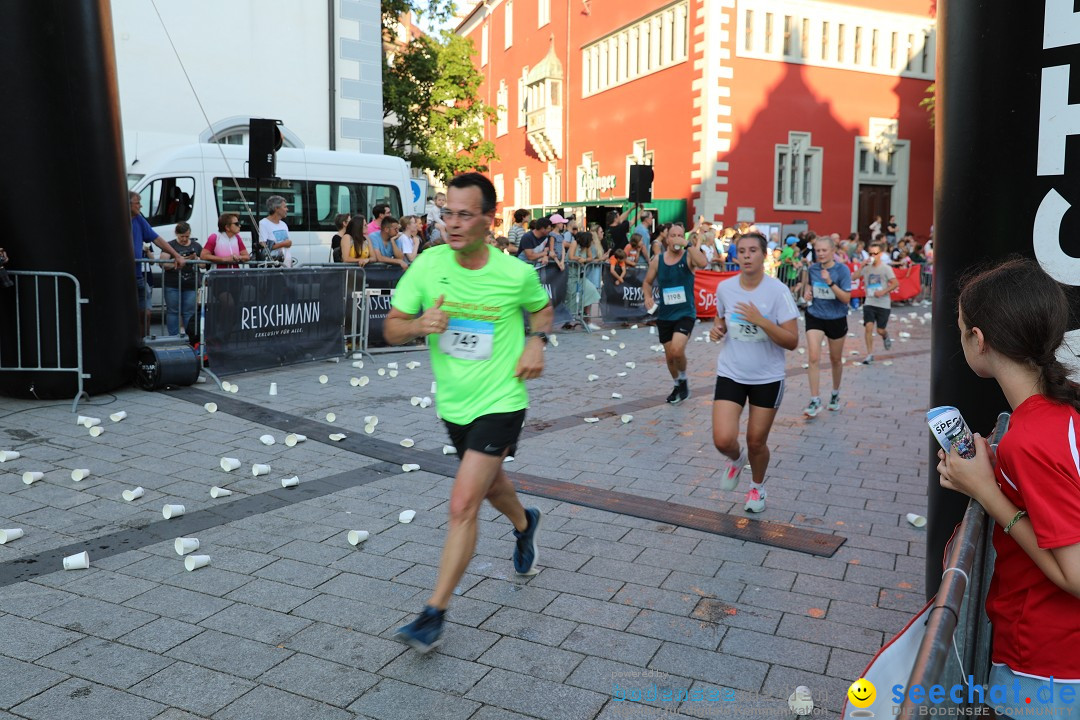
x: 254, y: 705
x: 160, y: 635
x: 254, y: 623
x: 312, y: 552
x: 179, y: 604
x: 803, y: 563
x: 613, y: 679
x: 210, y: 580
x: 603, y: 548
x: 627, y: 572
x: 20, y: 680
x: 847, y: 664
x: 240, y: 561
x: 688, y: 631
x: 352, y: 614
x: 489, y: 712
x: 77, y: 699
x: 694, y: 564
x: 610, y: 644
x: 529, y: 626
x: 381, y: 592
x: 174, y: 714
x: 780, y: 650
x: 436, y: 671
x: 192, y: 688
x: 593, y: 612
x: 466, y: 643
x: 105, y: 662
x: 655, y: 599
x: 599, y: 588
x: 271, y: 595
x: 828, y: 693
x: 830, y: 633
x: 393, y: 700
x: 27, y: 599
x: 532, y: 659
x: 109, y: 586
x: 328, y: 682
x: 29, y: 640
x: 296, y: 573
x: 537, y: 697
x: 708, y: 666
x: 347, y: 647
x: 513, y: 594
x: 376, y: 566
x: 228, y: 653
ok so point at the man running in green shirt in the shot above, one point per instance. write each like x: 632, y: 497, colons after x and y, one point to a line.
x: 472, y: 298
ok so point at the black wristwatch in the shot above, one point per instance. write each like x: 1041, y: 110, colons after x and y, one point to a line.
x: 832, y: 284
x: 542, y: 335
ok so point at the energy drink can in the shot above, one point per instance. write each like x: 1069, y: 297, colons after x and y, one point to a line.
x: 951, y: 431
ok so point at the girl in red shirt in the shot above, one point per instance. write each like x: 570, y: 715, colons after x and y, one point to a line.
x: 1012, y: 319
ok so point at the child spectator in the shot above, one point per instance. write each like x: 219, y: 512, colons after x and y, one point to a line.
x: 633, y: 250
x: 618, y: 266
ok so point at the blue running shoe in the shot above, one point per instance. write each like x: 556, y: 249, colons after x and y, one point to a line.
x: 425, y: 632
x: 526, y: 550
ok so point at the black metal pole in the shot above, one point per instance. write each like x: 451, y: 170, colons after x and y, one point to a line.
x: 1005, y: 173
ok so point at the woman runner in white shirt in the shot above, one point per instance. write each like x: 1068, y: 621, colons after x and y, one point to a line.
x: 756, y: 314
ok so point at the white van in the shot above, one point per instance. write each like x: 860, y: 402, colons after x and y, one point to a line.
x: 195, y: 184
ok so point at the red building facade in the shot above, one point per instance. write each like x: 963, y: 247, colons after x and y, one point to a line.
x: 773, y: 111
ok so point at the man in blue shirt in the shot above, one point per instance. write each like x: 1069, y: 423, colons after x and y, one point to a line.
x: 142, y: 233
x: 384, y: 245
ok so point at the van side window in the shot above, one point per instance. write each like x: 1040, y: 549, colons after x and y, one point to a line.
x: 328, y: 198
x: 167, y: 201
x: 229, y: 199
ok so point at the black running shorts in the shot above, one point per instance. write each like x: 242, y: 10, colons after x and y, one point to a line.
x: 666, y: 329
x: 877, y: 315
x: 833, y: 329
x: 491, y: 434
x: 768, y: 395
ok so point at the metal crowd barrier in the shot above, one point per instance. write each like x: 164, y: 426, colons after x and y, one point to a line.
x: 577, y: 275
x: 159, y: 305
x: 42, y: 332
x: 957, y: 639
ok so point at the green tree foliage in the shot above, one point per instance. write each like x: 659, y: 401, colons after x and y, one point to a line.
x: 431, y: 94
x: 437, y: 11
x: 928, y: 103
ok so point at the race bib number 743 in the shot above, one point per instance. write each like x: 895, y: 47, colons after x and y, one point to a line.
x: 467, y: 339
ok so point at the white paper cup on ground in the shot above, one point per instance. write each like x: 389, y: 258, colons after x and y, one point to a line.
x: 118, y: 416
x: 229, y: 464
x: 210, y: 407
x: 290, y: 482
x: 371, y: 420
x: 433, y: 386
x: 96, y: 431
x: 10, y: 534
x: 292, y: 438
x: 337, y: 437
x: 89, y: 422
x: 331, y: 417
x: 626, y: 418
x: 426, y: 402
x: 133, y: 494
x: 323, y: 379
x: 32, y: 476
x: 415, y: 400
x: 6, y: 455
x: 448, y: 449
x: 194, y: 562
x: 78, y: 561
x: 170, y: 511
x: 593, y: 378
x: 364, y: 380
x: 406, y: 516
x: 410, y: 467
x: 369, y: 428
x: 358, y: 536
x: 355, y: 381
x: 80, y: 474
x: 407, y: 442
x: 916, y: 520
x: 258, y: 469
x: 359, y: 364
x: 183, y: 546
x: 234, y: 388
x: 226, y: 386
x: 219, y: 492
x: 267, y: 439
x: 617, y: 396
x: 508, y: 459
x: 592, y: 419
x: 391, y: 365
x: 382, y: 372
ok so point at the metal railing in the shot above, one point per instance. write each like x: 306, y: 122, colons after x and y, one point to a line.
x: 957, y: 639
x: 159, y: 303
x: 43, y: 350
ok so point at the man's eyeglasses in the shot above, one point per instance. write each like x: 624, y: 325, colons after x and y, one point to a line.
x: 875, y: 254
x: 463, y: 216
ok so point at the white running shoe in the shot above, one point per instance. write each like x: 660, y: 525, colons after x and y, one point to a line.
x: 730, y: 479
x: 755, y: 501
x: 594, y: 327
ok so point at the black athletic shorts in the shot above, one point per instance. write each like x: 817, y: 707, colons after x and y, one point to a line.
x: 666, y: 329
x: 833, y: 329
x: 488, y: 434
x: 768, y: 395
x: 877, y: 315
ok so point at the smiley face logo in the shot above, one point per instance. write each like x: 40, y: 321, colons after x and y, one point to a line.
x: 862, y: 693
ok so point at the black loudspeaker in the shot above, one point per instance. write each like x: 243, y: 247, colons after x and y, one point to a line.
x: 264, y: 140
x: 166, y: 361
x: 641, y: 177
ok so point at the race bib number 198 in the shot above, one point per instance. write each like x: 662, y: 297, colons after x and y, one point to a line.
x: 467, y: 339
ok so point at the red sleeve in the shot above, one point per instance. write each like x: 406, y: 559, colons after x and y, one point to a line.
x: 1047, y: 475
x: 240, y: 244
x: 211, y: 244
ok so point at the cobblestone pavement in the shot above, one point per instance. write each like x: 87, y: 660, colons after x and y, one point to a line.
x: 290, y: 621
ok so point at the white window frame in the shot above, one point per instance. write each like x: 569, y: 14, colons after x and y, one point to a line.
x: 652, y: 43
x: 502, y: 109
x: 543, y: 13
x: 522, y: 189
x: 500, y: 187
x: 790, y: 177
x: 552, y: 185
x: 522, y: 97
x: 891, y: 43
x: 484, y: 44
x: 508, y: 25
